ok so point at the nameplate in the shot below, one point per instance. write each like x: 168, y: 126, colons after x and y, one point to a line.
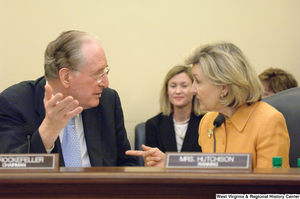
x: 209, y: 160
x: 28, y: 161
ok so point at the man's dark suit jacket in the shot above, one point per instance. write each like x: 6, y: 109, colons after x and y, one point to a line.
x: 104, y: 130
x: 160, y: 133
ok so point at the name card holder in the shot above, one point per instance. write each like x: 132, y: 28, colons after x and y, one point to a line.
x: 29, y: 162
x: 215, y: 162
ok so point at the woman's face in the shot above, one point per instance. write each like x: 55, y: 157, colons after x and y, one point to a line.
x: 179, y: 90
x: 207, y: 93
x: 267, y: 91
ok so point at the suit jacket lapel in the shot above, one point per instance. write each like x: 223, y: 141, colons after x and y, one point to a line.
x: 40, y: 110
x: 168, y: 134
x: 91, y: 119
x: 39, y: 100
x: 191, y: 136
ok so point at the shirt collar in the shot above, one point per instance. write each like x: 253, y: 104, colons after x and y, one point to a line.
x: 242, y: 115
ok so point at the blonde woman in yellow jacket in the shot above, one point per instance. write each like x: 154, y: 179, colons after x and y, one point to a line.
x: 225, y: 83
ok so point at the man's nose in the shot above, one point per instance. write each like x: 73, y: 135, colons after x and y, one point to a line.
x: 104, y: 81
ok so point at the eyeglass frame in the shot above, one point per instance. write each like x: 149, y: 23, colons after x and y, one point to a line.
x: 98, y: 77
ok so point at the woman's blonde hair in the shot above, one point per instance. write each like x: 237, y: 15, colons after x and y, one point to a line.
x: 165, y: 105
x: 225, y: 64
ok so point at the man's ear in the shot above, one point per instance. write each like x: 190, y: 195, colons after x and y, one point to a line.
x: 64, y: 76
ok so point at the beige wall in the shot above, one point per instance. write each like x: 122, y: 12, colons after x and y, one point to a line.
x: 143, y: 39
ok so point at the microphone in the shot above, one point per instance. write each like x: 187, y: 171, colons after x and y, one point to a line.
x: 26, y: 129
x: 218, y: 122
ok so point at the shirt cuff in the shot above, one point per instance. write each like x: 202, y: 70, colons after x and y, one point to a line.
x: 50, y: 150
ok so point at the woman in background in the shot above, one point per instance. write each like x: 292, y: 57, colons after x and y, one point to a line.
x: 275, y: 80
x: 225, y: 83
x: 176, y: 127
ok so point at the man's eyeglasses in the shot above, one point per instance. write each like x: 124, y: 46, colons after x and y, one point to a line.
x: 98, y: 77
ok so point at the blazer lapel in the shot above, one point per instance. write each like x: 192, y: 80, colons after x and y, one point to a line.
x: 40, y: 110
x: 191, y: 136
x: 91, y: 119
x: 39, y: 100
x: 168, y: 134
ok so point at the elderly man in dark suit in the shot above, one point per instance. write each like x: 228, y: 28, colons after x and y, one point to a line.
x: 75, y: 87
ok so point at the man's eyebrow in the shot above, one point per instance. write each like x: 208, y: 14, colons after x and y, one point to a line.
x: 100, y: 69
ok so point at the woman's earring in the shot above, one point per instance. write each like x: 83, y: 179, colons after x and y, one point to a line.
x: 222, y: 95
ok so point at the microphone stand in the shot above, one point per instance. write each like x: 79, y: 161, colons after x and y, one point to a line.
x: 26, y: 129
x: 28, y: 143
x: 218, y: 122
x: 214, y: 139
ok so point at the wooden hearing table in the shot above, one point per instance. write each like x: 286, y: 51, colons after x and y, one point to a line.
x: 144, y: 182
